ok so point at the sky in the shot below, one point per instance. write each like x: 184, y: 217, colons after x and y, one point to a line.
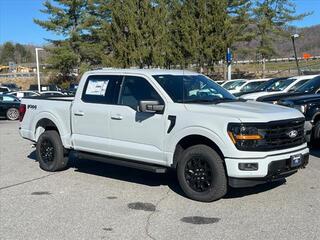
x: 16, y: 20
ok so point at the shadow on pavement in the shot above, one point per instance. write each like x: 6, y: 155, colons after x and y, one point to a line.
x: 315, y: 153
x: 152, y: 179
x: 243, y: 192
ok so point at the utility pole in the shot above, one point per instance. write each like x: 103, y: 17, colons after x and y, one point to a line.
x: 38, y: 71
x: 293, y: 37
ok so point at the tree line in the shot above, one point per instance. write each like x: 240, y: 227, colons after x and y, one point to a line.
x: 161, y: 33
x: 16, y: 53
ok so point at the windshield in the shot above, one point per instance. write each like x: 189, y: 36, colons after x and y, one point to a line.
x: 251, y: 86
x: 310, y: 87
x: 235, y: 84
x: 193, y: 88
x: 280, y: 85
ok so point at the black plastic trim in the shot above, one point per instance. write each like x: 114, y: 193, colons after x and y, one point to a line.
x: 122, y: 162
x: 172, y: 120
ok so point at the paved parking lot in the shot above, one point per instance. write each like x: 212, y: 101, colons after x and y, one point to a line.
x: 92, y: 200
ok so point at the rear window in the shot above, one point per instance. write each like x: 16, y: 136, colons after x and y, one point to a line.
x: 102, y: 89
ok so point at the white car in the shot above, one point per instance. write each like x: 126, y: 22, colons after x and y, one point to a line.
x: 52, y: 93
x: 281, y: 86
x: 233, y: 84
x: 157, y: 120
x: 249, y: 85
x: 4, y: 90
x: 22, y: 94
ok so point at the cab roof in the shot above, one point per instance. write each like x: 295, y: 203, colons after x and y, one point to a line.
x: 149, y: 72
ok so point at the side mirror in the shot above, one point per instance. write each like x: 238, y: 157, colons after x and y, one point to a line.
x: 150, y: 106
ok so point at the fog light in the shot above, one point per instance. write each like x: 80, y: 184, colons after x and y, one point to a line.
x: 248, y: 166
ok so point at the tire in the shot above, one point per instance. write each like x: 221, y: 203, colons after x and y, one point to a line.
x: 50, y: 152
x: 208, y: 165
x: 315, y: 137
x: 12, y: 114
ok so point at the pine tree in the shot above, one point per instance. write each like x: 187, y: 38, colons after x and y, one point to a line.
x: 7, y: 53
x: 66, y: 18
x: 271, y: 17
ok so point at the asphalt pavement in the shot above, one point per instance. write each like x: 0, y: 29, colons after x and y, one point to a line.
x: 93, y: 200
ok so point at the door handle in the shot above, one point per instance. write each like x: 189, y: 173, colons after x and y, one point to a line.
x: 117, y: 117
x: 79, y: 113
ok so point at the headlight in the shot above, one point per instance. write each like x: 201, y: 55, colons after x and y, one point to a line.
x: 244, y: 137
x: 301, y: 108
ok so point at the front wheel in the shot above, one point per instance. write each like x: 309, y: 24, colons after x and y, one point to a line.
x: 12, y: 114
x: 50, y: 152
x: 201, y: 174
x: 315, y: 137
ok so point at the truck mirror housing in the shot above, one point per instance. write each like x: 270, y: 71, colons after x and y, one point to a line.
x: 150, y: 106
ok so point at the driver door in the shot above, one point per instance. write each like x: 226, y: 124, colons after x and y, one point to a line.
x: 133, y: 134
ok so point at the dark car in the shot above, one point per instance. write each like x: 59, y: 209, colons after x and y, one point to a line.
x: 262, y: 87
x: 309, y: 105
x: 44, y: 87
x: 11, y: 86
x: 9, y: 107
x: 310, y: 87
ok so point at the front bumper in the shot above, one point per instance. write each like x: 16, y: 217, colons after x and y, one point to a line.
x: 270, y: 168
x: 276, y: 171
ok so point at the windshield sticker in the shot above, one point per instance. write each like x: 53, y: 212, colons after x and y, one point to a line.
x: 97, y: 87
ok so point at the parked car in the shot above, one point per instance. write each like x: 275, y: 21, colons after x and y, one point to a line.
x: 249, y: 86
x: 310, y: 87
x: 11, y: 86
x: 4, y: 90
x: 44, y: 87
x: 22, y: 94
x: 262, y: 87
x: 220, y: 82
x: 9, y: 107
x: 233, y: 84
x: 281, y: 86
x: 309, y: 105
x: 157, y: 120
x: 52, y: 93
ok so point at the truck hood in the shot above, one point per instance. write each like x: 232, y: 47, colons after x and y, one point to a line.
x: 247, y: 111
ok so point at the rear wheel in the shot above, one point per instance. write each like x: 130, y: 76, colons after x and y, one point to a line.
x: 50, y: 152
x: 201, y: 174
x: 12, y: 114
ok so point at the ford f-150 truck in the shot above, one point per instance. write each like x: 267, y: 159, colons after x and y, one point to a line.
x: 168, y: 119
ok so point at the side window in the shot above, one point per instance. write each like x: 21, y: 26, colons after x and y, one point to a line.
x: 298, y: 84
x: 135, y: 89
x: 8, y: 99
x: 102, y: 89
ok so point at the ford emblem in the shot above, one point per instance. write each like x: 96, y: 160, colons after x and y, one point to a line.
x: 292, y: 134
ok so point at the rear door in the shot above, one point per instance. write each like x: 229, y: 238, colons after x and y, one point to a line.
x: 133, y: 134
x: 91, y: 113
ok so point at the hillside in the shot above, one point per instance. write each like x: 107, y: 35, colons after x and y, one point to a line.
x: 308, y: 42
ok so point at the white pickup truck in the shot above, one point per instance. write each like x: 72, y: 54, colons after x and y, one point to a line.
x: 160, y: 119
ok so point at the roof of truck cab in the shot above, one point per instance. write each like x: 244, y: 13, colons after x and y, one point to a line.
x: 149, y: 72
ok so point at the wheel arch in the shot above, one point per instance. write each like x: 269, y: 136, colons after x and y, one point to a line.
x: 44, y: 124
x: 191, y: 140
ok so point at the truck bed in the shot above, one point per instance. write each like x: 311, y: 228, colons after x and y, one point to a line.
x: 57, y: 109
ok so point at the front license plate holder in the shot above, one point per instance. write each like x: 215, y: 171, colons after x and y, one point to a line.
x: 296, y: 160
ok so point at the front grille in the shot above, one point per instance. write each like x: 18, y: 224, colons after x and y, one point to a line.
x: 277, y: 134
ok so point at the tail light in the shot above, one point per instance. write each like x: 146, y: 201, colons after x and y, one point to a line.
x: 22, y: 111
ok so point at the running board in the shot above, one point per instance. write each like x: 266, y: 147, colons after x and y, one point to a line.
x: 122, y: 162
